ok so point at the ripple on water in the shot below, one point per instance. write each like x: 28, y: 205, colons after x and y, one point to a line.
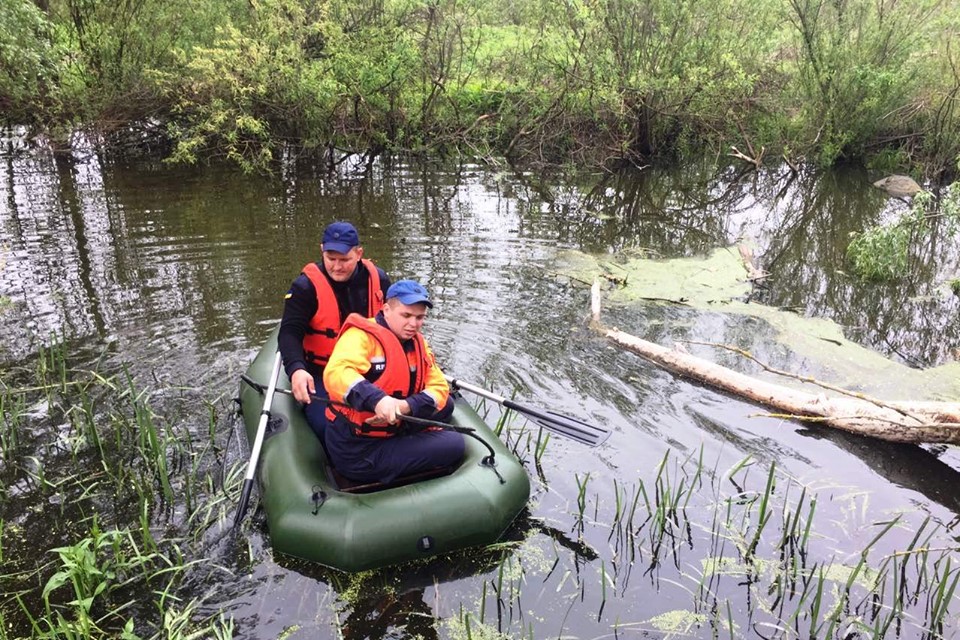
x: 181, y: 276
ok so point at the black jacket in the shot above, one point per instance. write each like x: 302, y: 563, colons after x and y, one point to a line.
x: 301, y: 305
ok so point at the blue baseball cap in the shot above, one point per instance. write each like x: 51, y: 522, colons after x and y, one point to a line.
x: 340, y: 237
x: 409, y: 292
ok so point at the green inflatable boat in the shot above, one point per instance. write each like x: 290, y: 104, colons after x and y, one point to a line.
x: 314, y: 514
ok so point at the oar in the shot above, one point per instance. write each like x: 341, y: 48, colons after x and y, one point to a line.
x: 572, y: 428
x: 258, y: 442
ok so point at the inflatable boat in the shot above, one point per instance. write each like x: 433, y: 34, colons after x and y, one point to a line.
x: 314, y: 513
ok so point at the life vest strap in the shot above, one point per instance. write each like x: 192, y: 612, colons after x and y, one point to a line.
x: 364, y: 430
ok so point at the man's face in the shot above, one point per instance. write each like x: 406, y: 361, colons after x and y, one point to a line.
x: 405, y: 320
x: 340, y: 266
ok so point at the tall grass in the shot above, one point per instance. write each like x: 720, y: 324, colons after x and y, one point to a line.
x: 129, y: 495
x: 113, y: 468
x: 763, y: 564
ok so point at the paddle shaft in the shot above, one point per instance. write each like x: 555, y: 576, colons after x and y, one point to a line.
x: 509, y: 404
x: 426, y: 422
x: 258, y: 441
x: 422, y: 422
x: 573, y: 428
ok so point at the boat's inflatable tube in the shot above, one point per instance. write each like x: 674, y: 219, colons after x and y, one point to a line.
x: 309, y: 517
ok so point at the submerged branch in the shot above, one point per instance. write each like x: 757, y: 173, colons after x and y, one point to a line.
x: 894, y: 421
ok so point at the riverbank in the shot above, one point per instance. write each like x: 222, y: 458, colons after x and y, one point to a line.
x: 624, y: 82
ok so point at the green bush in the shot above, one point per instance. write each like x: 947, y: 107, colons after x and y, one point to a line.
x: 882, y: 253
x: 592, y: 82
x: 29, y: 72
x: 252, y: 89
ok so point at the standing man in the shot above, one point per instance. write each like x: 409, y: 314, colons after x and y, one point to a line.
x: 380, y: 369
x: 315, y: 307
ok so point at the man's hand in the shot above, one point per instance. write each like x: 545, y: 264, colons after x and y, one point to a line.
x: 388, y: 410
x: 302, y: 385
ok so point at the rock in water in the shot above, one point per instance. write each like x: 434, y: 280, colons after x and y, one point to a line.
x: 898, y: 186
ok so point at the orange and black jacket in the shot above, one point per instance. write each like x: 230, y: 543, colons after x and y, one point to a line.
x: 315, y: 307
x: 370, y: 362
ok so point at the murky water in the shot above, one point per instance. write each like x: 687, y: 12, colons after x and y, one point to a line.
x: 179, y: 274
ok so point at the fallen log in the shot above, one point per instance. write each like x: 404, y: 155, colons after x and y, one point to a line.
x: 913, y: 422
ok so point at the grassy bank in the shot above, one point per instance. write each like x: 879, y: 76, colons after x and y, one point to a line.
x: 599, y: 83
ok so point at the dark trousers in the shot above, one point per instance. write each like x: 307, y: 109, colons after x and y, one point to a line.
x: 316, y: 411
x: 385, y: 459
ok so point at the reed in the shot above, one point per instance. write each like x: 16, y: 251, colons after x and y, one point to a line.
x: 945, y: 579
x: 795, y: 587
x: 763, y: 517
x: 116, y: 452
x: 12, y: 407
x: 152, y: 442
x: 483, y: 603
x: 540, y: 447
x: 759, y: 554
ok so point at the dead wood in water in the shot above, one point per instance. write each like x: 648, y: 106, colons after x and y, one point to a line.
x: 894, y: 421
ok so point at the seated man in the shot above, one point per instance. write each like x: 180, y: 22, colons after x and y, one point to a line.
x: 382, y: 368
x: 315, y: 307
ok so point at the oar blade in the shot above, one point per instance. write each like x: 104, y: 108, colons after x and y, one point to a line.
x: 572, y: 428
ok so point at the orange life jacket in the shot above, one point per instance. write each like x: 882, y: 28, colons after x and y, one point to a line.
x: 325, y: 324
x: 403, y: 374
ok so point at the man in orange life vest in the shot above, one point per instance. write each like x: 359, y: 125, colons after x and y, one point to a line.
x: 314, y: 309
x: 382, y: 368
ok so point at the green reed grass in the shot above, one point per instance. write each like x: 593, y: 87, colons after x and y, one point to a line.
x: 152, y: 443
x: 12, y: 407
x: 117, y: 453
x: 768, y: 541
x: 763, y: 516
x: 938, y: 603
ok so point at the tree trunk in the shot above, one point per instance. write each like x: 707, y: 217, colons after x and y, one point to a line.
x: 908, y: 421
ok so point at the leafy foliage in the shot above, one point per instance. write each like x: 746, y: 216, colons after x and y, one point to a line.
x: 28, y: 62
x: 882, y: 253
x: 241, y: 95
x: 857, y: 67
x: 590, y: 81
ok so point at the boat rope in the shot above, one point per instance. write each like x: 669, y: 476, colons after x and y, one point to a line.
x: 490, y: 461
x: 487, y: 461
x: 233, y: 420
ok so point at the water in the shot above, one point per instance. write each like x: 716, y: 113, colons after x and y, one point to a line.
x: 179, y: 274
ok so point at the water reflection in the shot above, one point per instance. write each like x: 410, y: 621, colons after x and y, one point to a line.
x: 805, y: 255
x: 180, y: 273
x: 910, y: 467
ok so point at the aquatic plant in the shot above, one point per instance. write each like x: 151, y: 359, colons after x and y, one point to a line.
x: 731, y: 551
x: 764, y: 559
x: 882, y: 253
x: 80, y: 431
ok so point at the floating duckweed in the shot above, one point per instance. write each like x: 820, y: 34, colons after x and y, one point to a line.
x: 678, y: 621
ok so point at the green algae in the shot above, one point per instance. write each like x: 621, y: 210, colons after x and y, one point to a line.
x: 770, y: 569
x: 678, y: 621
x: 717, y: 283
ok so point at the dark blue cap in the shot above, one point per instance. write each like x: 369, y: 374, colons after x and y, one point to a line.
x: 340, y: 237
x: 409, y: 292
